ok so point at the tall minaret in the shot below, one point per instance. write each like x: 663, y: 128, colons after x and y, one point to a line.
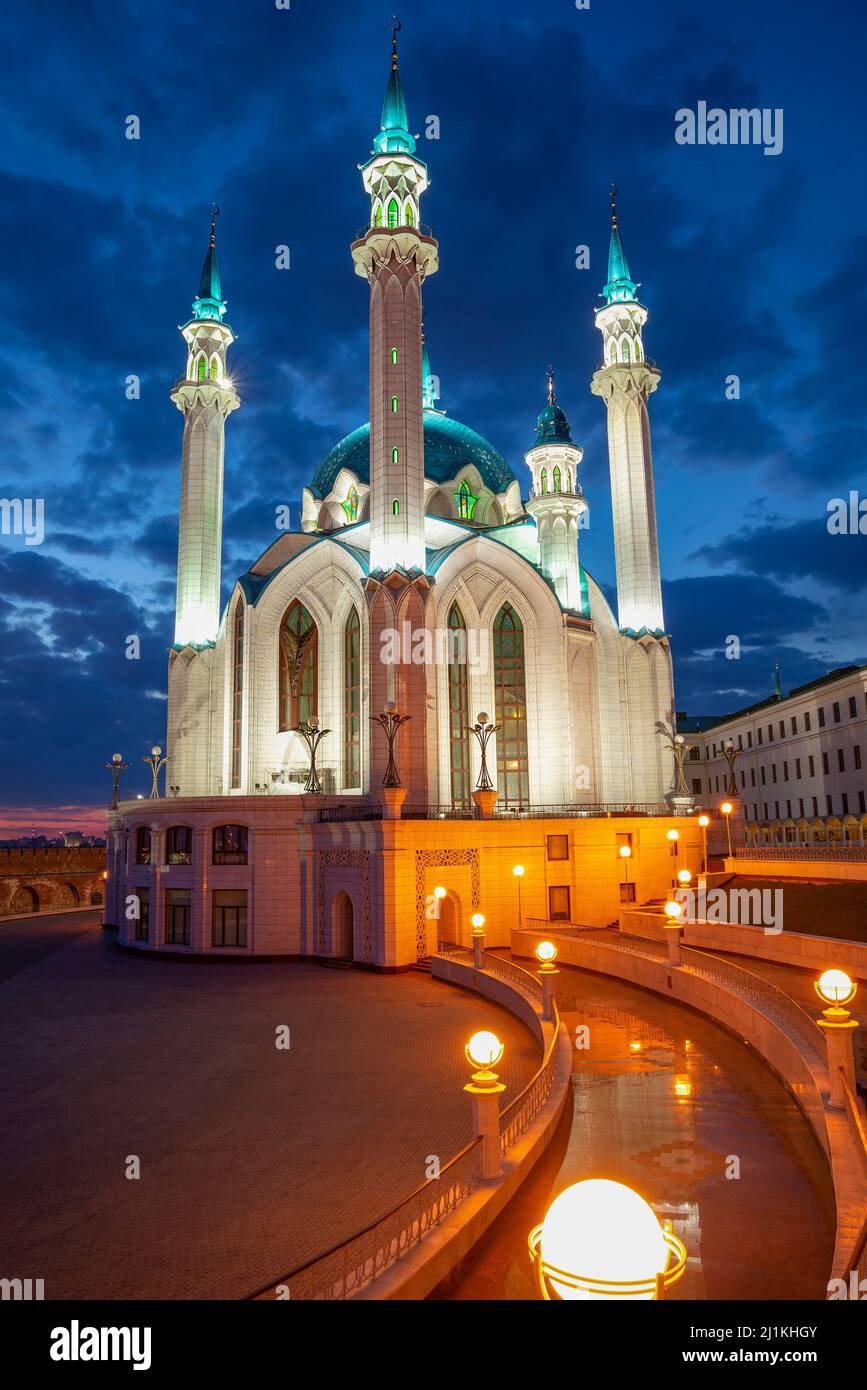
x: 624, y: 381
x: 395, y: 257
x: 205, y: 397
x: 556, y: 501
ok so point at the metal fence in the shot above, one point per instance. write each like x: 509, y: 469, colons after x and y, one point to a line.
x: 839, y: 853
x: 516, y: 1117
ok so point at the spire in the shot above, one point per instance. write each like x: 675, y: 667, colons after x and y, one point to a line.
x: 394, y: 136
x: 778, y: 690
x: 209, y: 302
x: 428, y: 388
x: 552, y: 425
x: 620, y: 287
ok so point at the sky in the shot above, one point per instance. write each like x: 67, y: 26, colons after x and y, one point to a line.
x: 751, y: 266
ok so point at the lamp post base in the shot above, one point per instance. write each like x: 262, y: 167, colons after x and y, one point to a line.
x: 392, y: 800
x: 484, y: 802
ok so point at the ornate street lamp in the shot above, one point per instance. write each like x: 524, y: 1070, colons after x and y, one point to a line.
x: 518, y: 873
x: 680, y: 748
x: 732, y: 754
x: 155, y: 762
x: 116, y: 767
x: 390, y: 721
x: 727, y: 809
x: 483, y: 730
x: 312, y: 736
x: 704, y: 822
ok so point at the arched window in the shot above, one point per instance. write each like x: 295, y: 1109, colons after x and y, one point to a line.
x: 393, y: 213
x: 408, y: 215
x: 624, y: 350
x: 215, y: 368
x: 394, y: 357
x: 568, y: 479
x: 612, y: 351
x: 237, y: 692
x: 638, y: 349
x: 202, y: 369
x: 179, y: 844
x: 459, y: 709
x: 395, y: 508
x: 544, y: 480
x: 556, y: 479
x: 377, y: 216
x: 143, y: 845
x: 352, y: 701
x: 395, y: 456
x: 230, y: 844
x: 299, y: 666
x: 510, y: 693
x: 394, y: 405
x: 466, y: 501
x: 350, y: 506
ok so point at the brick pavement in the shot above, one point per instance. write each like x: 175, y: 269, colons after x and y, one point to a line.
x: 253, y: 1160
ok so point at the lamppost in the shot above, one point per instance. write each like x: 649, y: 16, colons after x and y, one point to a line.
x: 625, y: 853
x: 478, y: 938
x: 731, y: 755
x: 390, y: 721
x: 704, y: 822
x: 546, y: 954
x: 439, y: 893
x: 518, y: 872
x: 673, y: 836
x: 836, y: 990
x: 673, y: 925
x: 680, y: 795
x: 601, y: 1240
x: 155, y: 763
x: 312, y: 736
x: 483, y: 730
x: 116, y: 767
x: 727, y: 809
x: 483, y: 1051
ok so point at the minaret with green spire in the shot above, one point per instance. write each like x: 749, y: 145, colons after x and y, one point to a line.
x: 556, y: 502
x: 205, y: 397
x: 396, y: 257
x: 625, y: 380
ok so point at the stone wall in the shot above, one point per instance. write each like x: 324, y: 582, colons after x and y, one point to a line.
x: 50, y: 878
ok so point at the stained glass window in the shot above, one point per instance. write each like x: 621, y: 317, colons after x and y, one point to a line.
x: 511, y: 709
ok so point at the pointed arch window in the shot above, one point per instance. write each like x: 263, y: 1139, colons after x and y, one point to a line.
x: 395, y: 456
x: 510, y: 696
x: 459, y: 709
x: 215, y: 368
x: 299, y: 666
x: 352, y: 701
x: 237, y: 692
x: 466, y: 501
x: 394, y: 357
x: 568, y: 479
x: 393, y: 213
x: 638, y: 349
x: 201, y: 369
x: 395, y: 508
x: 408, y: 216
x: 544, y: 480
x: 624, y: 351
x: 350, y: 506
x: 377, y: 215
x: 394, y: 404
x: 557, y: 479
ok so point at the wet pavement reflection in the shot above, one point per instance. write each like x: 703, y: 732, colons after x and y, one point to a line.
x: 670, y: 1103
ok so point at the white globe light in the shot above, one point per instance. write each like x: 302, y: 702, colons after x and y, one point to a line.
x: 313, y: 721
x: 481, y: 718
x: 599, y: 1229
x: 155, y: 751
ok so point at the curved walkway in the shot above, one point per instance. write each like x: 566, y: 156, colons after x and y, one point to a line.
x: 252, y: 1159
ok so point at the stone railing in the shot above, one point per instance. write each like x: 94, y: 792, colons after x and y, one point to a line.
x: 522, y: 1111
x: 760, y: 991
x: 831, y: 853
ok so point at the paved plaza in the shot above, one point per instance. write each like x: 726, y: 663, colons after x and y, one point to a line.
x: 252, y: 1159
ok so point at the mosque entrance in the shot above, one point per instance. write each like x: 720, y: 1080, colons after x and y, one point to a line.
x: 342, y: 927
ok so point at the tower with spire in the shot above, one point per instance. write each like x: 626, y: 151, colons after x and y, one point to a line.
x: 395, y: 256
x: 625, y: 380
x: 556, y: 501
x: 205, y: 397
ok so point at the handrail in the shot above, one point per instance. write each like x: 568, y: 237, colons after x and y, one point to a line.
x: 858, y: 1259
x: 520, y: 1113
x: 757, y: 987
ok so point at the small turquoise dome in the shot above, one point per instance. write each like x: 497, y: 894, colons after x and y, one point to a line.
x: 552, y: 425
x: 449, y: 446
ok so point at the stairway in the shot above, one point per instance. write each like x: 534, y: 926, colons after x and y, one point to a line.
x: 422, y: 965
x: 335, y: 962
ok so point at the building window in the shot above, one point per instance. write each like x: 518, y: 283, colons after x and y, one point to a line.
x: 393, y: 213
x: 237, y: 693
x: 785, y: 771
x: 770, y: 733
x: 377, y: 216
x: 394, y: 357
x: 179, y: 844
x: 215, y: 367
x: 558, y: 846
x: 511, y: 708
x: 853, y: 707
x: 558, y: 903
x: 459, y: 708
x: 627, y: 892
x: 825, y: 764
x: 773, y: 772
x: 466, y: 501
x: 841, y: 760
x: 202, y: 370
x: 845, y: 798
x: 143, y: 845
x: 350, y: 506
x: 857, y: 753
x: 557, y: 479
x: 408, y: 216
x: 798, y: 769
x: 761, y: 736
x: 143, y: 920
x: 782, y: 728
x: 395, y: 508
x: 395, y: 455
x: 862, y: 804
x: 836, y: 711
x: 394, y: 405
x: 821, y: 716
x: 544, y: 480
x: 177, y: 917
x: 229, y: 917
x: 230, y: 844
x: 794, y: 725
x: 807, y: 722
x: 749, y: 738
x: 811, y: 762
x: 352, y: 701
x: 763, y: 778
x: 299, y: 666
x: 752, y: 776
x: 696, y: 786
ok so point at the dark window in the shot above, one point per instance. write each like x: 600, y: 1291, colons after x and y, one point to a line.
x: 230, y: 844
x: 785, y: 771
x: 752, y: 776
x: 773, y: 772
x: 558, y: 846
x: 143, y: 845
x: 836, y: 711
x: 763, y: 776
x: 782, y: 728
x: 740, y: 741
x: 825, y: 765
x: 801, y: 804
x: 558, y: 903
x: 459, y: 708
x: 761, y: 736
x: 144, y: 914
x: 857, y: 751
x: 627, y: 892
x: 797, y: 769
x: 749, y: 738
x: 821, y: 716
x: 770, y: 733
x: 841, y: 760
x: 696, y: 786
x: 510, y: 695
x: 812, y: 765
x: 830, y: 810
x: 815, y: 806
x: 177, y: 916
x: 853, y: 706
x: 789, y: 809
x: 794, y: 725
x: 743, y: 779
x: 229, y: 917
x: 807, y: 721
x: 352, y: 701
x: 862, y: 804
x: 845, y: 803
x: 299, y: 666
x: 179, y: 844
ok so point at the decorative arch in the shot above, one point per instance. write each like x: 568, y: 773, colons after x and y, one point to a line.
x: 510, y: 697
x: 342, y: 926
x: 393, y: 213
x: 459, y: 709
x: 201, y: 370
x: 557, y: 479
x: 625, y: 355
x: 299, y: 666
x: 544, y: 480
x: 352, y: 700
x: 25, y: 899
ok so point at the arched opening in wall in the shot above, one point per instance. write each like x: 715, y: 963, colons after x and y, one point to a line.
x: 26, y: 899
x: 67, y: 895
x: 96, y: 899
x: 342, y: 926
x: 449, y: 926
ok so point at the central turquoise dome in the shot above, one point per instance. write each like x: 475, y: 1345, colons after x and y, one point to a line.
x: 449, y: 446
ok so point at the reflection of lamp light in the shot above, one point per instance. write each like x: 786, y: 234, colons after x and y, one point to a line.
x: 601, y: 1240
x: 546, y: 954
x: 484, y: 1051
x: 836, y: 989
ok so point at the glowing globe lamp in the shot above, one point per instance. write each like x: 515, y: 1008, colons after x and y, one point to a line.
x: 546, y: 952
x: 484, y: 1051
x: 836, y: 989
